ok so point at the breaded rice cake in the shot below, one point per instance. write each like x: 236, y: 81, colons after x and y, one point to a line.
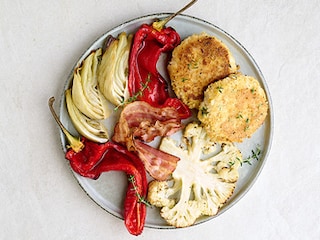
x: 198, y: 61
x: 233, y: 108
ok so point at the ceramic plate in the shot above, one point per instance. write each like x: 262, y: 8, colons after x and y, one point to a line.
x: 109, y: 190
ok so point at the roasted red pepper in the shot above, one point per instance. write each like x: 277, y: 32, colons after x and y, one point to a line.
x: 145, y: 83
x: 90, y: 159
x: 96, y: 158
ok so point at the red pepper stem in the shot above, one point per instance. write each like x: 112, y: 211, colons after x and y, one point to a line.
x: 160, y: 24
x: 74, y: 142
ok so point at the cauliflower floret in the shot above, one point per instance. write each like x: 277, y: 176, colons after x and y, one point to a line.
x: 202, y: 182
x: 159, y: 193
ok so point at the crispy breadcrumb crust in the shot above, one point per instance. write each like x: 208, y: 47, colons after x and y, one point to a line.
x: 199, y: 60
x: 233, y: 108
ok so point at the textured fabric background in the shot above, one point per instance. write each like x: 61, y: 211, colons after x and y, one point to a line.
x: 41, y: 40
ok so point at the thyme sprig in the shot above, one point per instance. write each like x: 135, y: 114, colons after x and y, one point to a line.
x: 255, y: 155
x: 141, y: 199
x: 134, y: 97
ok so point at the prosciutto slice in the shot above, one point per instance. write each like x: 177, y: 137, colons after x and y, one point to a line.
x: 140, y: 123
x: 158, y: 163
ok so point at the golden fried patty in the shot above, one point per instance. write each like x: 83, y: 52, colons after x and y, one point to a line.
x: 198, y: 61
x: 233, y: 108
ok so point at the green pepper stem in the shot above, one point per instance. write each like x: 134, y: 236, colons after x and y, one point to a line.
x: 158, y: 25
x: 74, y: 142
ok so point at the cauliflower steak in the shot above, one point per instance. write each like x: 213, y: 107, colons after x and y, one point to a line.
x: 202, y: 182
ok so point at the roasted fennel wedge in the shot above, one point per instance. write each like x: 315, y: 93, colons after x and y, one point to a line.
x: 113, y: 69
x: 85, y: 92
x: 91, y: 129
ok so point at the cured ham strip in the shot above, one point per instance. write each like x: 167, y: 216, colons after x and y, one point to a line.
x: 139, y: 111
x: 158, y: 163
x: 140, y: 122
x: 147, y: 131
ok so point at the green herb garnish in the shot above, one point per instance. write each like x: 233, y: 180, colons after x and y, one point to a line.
x: 193, y: 65
x: 239, y: 116
x: 247, y: 124
x: 141, y: 199
x: 204, y: 111
x: 137, y: 94
x: 219, y: 88
x: 255, y: 155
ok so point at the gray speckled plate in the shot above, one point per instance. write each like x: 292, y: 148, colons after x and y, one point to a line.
x: 109, y: 190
